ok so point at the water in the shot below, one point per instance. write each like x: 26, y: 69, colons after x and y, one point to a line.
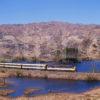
x: 49, y: 85
x: 88, y: 66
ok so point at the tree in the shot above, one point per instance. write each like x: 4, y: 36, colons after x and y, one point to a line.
x: 71, y: 54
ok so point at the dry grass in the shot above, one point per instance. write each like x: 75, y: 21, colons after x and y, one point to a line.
x: 90, y: 95
x: 6, y: 92
x: 30, y: 90
x: 49, y: 74
x: 2, y: 84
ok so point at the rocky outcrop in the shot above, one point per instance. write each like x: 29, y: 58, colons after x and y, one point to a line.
x: 43, y: 40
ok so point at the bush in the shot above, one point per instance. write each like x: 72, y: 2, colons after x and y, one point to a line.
x: 19, y: 74
x: 32, y: 59
x: 18, y: 59
x: 91, y: 78
x: 2, y: 60
x: 3, y: 71
x: 25, y: 59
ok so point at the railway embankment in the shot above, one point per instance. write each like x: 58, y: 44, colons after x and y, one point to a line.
x: 8, y: 72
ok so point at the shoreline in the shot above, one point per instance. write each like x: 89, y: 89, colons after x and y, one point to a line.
x: 49, y: 74
x: 93, y: 94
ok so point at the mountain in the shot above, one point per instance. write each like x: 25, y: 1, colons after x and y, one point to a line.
x: 42, y: 40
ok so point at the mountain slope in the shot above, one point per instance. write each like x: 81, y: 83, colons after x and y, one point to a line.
x: 42, y: 40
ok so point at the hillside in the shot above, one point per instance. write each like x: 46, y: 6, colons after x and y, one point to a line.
x: 42, y: 40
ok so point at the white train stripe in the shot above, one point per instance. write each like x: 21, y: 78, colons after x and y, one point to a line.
x: 35, y: 66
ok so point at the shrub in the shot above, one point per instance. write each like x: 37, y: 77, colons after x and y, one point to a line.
x: 91, y: 78
x: 18, y: 74
x: 2, y: 60
x: 3, y: 71
x: 18, y: 58
x: 32, y: 59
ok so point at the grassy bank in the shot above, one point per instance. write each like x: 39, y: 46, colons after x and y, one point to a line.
x: 49, y: 74
x: 90, y: 95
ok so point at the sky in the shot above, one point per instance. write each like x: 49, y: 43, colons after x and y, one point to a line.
x: 28, y: 11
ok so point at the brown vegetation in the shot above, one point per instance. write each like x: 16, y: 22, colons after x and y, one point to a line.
x: 43, y: 41
x: 30, y: 90
x: 90, y: 95
x: 3, y: 84
x: 6, y: 92
x: 50, y: 74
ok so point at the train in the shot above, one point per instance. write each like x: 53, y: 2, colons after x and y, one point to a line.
x: 36, y: 67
